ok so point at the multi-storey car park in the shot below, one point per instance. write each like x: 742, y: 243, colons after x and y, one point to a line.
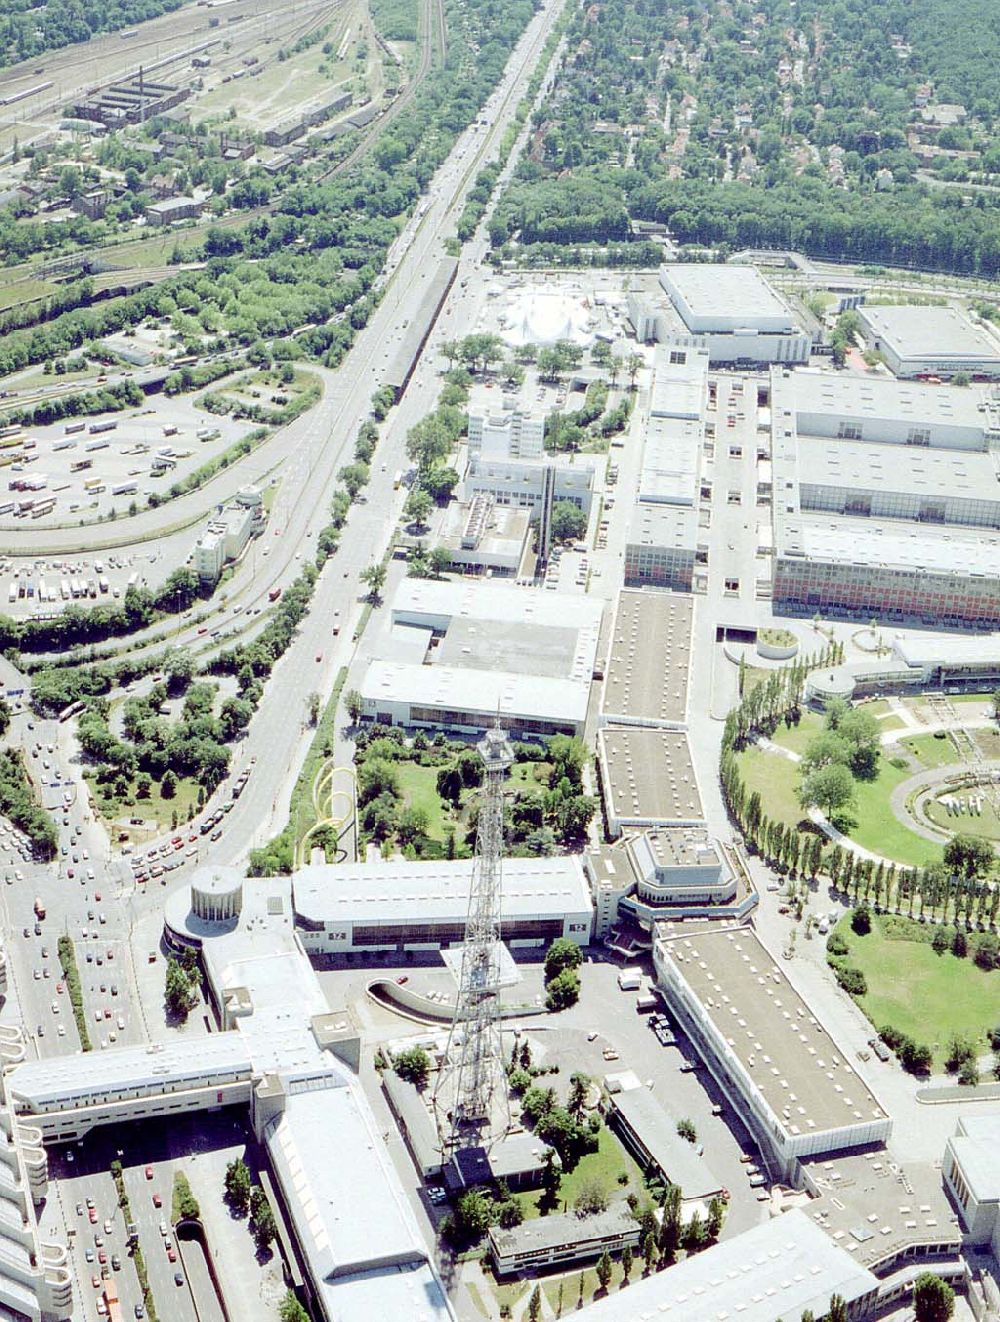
x: 885, y: 500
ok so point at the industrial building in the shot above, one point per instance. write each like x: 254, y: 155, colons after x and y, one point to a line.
x: 133, y: 101
x: 353, y: 1238
x: 172, y: 209
x: 471, y: 650
x: 788, y: 1080
x: 885, y: 500
x: 649, y: 658
x: 535, y: 485
x: 647, y: 779
x: 662, y: 543
x: 918, y: 340
x: 228, y: 533
x: 776, y: 1270
x: 730, y: 312
x: 408, y: 905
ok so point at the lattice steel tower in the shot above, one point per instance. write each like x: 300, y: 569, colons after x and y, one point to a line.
x: 470, y: 1099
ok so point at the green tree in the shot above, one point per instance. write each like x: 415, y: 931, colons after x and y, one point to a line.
x: 263, y: 1225
x: 830, y: 788
x: 933, y: 1298
x: 354, y: 705
x: 569, y: 523
x: 418, y: 506
x: 472, y: 1216
x: 237, y: 1185
x: 838, y: 1309
x: 414, y: 1065
x: 592, y: 1198
x: 627, y: 1260
x: 313, y: 703
x: 290, y: 1310
x: 563, y: 990
x: 562, y: 953
x: 686, y: 1129
x: 535, y: 1305
x: 374, y: 578
x: 861, y: 920
x: 168, y: 785
x: 969, y: 855
x: 604, y: 1269
x: 179, y: 992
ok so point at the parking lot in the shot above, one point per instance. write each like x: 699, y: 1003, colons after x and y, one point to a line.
x: 83, y: 468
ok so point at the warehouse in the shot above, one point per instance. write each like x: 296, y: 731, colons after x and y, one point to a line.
x: 647, y: 778
x: 885, y: 500
x: 409, y: 905
x: 788, y: 1080
x: 729, y: 311
x: 466, y: 651
x: 917, y: 340
x: 779, y: 1269
x: 649, y: 660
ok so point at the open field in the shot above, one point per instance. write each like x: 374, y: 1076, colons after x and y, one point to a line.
x: 929, y: 996
x: 419, y: 788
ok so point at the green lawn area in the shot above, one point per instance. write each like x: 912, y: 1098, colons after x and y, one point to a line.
x: 776, y: 779
x: 531, y: 775
x: 605, y: 1165
x: 931, y: 751
x: 929, y: 996
x: 796, y: 737
x: 876, y: 827
x: 155, y: 808
x: 419, y: 788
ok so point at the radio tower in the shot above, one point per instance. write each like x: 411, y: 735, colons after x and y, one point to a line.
x: 470, y: 1098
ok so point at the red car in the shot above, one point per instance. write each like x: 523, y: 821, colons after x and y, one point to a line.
x: 70, y: 873
x: 92, y: 1213
x: 149, y: 1172
x: 171, y: 1255
x: 102, y: 1257
x: 157, y: 1200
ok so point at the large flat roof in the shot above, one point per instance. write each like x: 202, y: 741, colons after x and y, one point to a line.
x: 450, y: 599
x: 521, y: 649
x: 672, y: 526
x: 563, y: 1228
x: 352, y: 1222
x: 778, y: 1269
x: 487, y: 692
x: 66, y: 1080
x: 733, y: 296
x: 670, y: 461
x: 649, y: 658
x: 889, y: 543
x: 977, y: 1147
x: 873, y: 1206
x: 656, y: 1129
x: 679, y: 389
x: 955, y: 650
x: 650, y: 775
x: 799, y: 1070
x: 914, y: 331
x: 841, y: 395
x: 410, y: 890
x: 861, y: 465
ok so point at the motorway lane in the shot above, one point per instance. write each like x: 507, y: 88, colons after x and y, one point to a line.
x: 87, y: 1176
x: 172, y: 1301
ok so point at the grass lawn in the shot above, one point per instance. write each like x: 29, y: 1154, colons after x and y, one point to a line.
x: 929, y: 996
x: 877, y: 828
x: 776, y: 779
x: 419, y: 787
x: 986, y: 824
x: 530, y: 775
x: 605, y: 1165
x: 931, y: 751
x: 796, y: 737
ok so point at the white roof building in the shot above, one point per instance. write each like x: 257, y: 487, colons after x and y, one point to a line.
x: 776, y: 1270
x: 711, y: 297
x: 917, y: 340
